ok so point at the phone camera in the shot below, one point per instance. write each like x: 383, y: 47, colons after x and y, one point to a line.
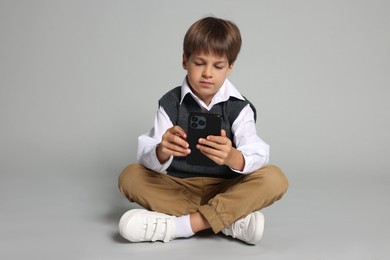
x: 198, y: 122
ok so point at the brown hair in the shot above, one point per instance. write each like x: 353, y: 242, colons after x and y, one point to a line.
x: 213, y: 35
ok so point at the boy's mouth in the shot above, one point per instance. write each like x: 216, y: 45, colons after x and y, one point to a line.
x: 206, y: 83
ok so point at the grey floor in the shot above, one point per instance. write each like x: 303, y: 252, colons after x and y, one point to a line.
x: 76, y: 216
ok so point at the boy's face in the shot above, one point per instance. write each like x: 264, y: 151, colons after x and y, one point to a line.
x: 206, y: 74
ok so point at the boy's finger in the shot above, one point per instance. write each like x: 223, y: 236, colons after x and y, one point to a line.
x: 217, y: 139
x: 177, y: 130
x: 180, y: 141
x: 209, y: 143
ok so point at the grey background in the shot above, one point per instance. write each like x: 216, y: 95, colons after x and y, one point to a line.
x: 79, y: 81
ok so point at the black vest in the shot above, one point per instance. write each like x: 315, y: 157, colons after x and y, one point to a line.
x: 178, y: 113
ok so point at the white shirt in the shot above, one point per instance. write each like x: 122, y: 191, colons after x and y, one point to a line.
x: 252, y: 147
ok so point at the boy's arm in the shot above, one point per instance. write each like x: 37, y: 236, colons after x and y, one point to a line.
x: 148, y: 142
x: 253, y: 149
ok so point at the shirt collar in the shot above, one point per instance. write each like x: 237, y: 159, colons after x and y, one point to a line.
x: 224, y: 93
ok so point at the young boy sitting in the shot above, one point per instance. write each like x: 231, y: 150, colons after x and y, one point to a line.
x: 180, y: 199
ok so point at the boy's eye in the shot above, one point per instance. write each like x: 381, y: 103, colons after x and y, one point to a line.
x: 198, y: 63
x: 219, y: 66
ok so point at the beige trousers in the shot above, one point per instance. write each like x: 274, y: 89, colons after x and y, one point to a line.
x: 220, y: 201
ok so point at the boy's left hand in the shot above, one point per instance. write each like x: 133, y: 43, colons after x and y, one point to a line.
x: 220, y: 150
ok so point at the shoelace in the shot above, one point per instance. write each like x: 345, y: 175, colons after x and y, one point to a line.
x: 157, y: 227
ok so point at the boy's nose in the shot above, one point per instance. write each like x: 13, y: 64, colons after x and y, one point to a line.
x: 207, y: 72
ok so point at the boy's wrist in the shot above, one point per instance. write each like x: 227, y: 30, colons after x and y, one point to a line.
x: 236, y: 160
x: 159, y: 154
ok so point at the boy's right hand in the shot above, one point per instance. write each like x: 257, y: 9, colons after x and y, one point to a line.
x: 173, y: 143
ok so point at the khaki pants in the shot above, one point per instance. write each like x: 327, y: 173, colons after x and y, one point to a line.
x: 220, y: 201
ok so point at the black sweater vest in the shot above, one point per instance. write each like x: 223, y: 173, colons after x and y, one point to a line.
x: 178, y: 113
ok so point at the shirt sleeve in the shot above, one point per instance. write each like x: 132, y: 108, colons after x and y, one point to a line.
x: 147, y: 143
x: 252, y: 147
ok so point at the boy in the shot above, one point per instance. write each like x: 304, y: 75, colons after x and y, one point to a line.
x: 182, y: 199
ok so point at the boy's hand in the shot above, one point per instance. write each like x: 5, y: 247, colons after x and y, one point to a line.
x: 220, y: 150
x: 173, y: 143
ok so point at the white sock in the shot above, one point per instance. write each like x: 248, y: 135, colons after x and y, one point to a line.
x: 183, y: 227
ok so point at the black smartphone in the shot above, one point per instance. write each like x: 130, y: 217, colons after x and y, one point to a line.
x: 201, y: 125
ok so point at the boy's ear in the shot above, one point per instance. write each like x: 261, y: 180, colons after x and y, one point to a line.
x: 230, y: 68
x: 184, y: 62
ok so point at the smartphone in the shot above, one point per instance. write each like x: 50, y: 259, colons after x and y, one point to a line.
x: 201, y: 125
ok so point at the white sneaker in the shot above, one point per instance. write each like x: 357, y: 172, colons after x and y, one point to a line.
x: 138, y: 225
x: 249, y: 229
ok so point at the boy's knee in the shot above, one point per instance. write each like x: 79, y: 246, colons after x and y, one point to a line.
x: 276, y: 178
x: 126, y: 178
